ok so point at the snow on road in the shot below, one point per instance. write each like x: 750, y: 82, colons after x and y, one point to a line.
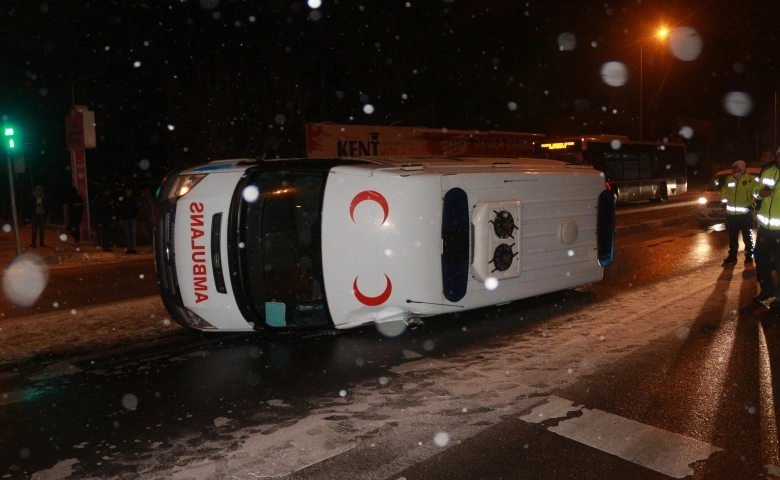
x: 84, y: 330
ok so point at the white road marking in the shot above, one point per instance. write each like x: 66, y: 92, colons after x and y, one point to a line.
x: 665, y: 452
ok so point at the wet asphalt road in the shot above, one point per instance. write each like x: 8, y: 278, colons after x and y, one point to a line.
x: 668, y: 340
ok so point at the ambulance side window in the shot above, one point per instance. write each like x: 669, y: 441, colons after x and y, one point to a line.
x: 456, y: 251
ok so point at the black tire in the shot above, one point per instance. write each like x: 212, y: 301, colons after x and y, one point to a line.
x: 663, y: 193
x: 703, y: 224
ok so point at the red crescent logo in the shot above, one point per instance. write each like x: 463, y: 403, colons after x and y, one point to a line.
x: 369, y: 195
x: 373, y: 301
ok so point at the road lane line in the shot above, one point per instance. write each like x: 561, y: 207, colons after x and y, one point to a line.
x: 665, y: 452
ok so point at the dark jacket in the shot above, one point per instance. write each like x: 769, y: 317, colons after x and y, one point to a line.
x: 75, y: 206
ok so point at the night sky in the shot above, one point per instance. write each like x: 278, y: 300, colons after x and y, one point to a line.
x: 178, y: 82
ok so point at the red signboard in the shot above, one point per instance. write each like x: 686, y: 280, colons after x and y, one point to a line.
x: 332, y: 140
x: 80, y: 128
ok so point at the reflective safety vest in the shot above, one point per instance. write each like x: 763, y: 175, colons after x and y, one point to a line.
x: 737, y: 194
x: 769, y: 213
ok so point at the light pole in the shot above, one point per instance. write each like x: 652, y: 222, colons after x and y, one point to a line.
x: 661, y: 34
x: 10, y: 144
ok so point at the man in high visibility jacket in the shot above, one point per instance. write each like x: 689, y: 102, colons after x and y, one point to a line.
x: 767, y: 249
x: 737, y: 198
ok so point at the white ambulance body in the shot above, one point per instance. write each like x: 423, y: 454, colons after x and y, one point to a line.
x: 243, y: 245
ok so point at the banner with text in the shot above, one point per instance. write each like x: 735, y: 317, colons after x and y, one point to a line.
x: 334, y: 140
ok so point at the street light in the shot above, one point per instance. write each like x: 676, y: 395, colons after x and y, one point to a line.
x: 661, y: 34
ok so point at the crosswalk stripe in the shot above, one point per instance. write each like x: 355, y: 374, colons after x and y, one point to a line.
x: 665, y: 452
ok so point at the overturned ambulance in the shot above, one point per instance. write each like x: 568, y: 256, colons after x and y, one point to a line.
x: 243, y: 245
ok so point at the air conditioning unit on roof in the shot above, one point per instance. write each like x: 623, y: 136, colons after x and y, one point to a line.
x: 497, y: 240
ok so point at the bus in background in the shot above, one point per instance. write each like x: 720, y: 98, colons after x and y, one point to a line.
x: 634, y: 170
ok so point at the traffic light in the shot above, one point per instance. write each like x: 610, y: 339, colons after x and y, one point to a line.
x: 9, y: 142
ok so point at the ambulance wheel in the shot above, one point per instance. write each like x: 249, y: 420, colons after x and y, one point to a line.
x: 703, y: 224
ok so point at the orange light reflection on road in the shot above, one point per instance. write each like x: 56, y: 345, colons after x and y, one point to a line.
x: 702, y: 251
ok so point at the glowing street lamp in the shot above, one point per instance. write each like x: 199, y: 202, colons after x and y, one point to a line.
x: 661, y: 34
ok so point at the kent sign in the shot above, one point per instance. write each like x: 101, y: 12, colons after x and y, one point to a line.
x: 333, y: 140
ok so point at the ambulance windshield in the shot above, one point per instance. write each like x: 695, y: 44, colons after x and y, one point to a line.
x: 279, y: 247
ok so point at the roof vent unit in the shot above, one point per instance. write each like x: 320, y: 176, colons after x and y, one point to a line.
x: 496, y: 240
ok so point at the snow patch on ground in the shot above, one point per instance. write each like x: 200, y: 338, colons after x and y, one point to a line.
x: 61, y: 470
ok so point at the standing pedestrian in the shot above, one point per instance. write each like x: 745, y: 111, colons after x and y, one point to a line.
x: 75, y: 214
x: 39, y: 211
x: 104, y: 212
x: 128, y: 211
x: 767, y: 250
x: 737, y: 198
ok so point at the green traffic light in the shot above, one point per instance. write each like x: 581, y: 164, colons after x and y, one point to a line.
x: 9, y: 132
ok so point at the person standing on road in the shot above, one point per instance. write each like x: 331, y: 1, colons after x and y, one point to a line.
x: 767, y: 249
x: 128, y: 211
x: 39, y: 211
x: 737, y: 198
